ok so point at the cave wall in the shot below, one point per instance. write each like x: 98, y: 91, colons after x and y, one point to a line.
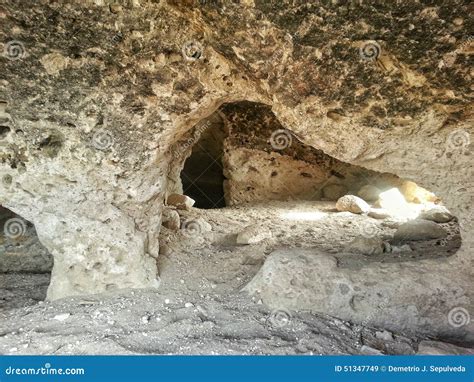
x: 95, y: 96
x: 264, y: 161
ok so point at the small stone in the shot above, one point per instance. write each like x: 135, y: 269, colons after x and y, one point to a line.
x: 62, y: 317
x: 437, y: 214
x: 53, y: 63
x: 145, y: 319
x: 384, y: 335
x: 115, y: 8
x: 369, y: 246
x: 253, y: 234
x: 188, y: 305
x: 378, y: 213
x: 418, y: 230
x: 369, y: 193
x: 181, y: 202
x: 352, y: 203
x: 458, y: 21
x: 167, y: 301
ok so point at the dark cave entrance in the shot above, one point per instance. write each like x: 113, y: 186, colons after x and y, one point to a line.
x: 25, y: 264
x: 202, y: 176
x: 242, y: 156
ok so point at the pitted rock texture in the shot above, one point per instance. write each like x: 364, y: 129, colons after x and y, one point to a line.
x: 94, y: 98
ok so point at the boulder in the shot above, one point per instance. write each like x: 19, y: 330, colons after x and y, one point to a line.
x: 366, y: 246
x: 181, y: 202
x: 369, y: 193
x: 378, y: 213
x: 352, y: 203
x: 437, y: 214
x: 418, y: 230
x: 253, y: 234
x: 416, y: 194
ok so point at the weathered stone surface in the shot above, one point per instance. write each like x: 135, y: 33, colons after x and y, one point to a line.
x: 438, y: 214
x: 378, y: 213
x: 181, y: 202
x: 253, y: 234
x: 366, y: 246
x: 418, y: 229
x: 309, y: 279
x: 86, y: 154
x: 442, y: 348
x: 352, y: 203
x: 414, y: 193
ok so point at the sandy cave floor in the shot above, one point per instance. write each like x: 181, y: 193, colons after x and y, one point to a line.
x: 199, y: 307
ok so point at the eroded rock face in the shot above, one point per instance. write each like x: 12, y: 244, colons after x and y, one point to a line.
x: 308, y: 279
x: 93, y: 98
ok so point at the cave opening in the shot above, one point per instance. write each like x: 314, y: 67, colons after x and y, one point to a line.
x: 202, y: 176
x: 25, y: 264
x: 242, y: 158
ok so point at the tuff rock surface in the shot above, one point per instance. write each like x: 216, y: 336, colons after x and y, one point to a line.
x: 96, y: 96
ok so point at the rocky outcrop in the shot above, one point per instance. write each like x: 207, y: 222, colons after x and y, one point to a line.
x: 309, y: 279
